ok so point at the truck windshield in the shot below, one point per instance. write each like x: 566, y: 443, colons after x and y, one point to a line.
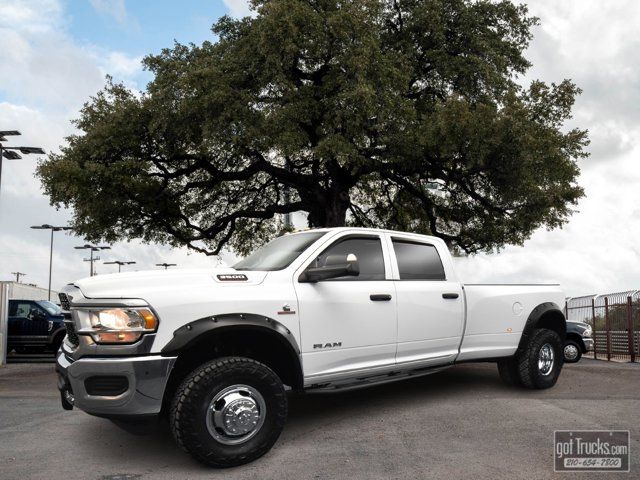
x: 278, y: 253
x: 50, y: 307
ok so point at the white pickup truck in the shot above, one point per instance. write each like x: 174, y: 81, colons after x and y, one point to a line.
x: 326, y: 309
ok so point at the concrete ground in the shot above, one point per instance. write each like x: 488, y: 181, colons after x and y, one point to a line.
x: 460, y: 423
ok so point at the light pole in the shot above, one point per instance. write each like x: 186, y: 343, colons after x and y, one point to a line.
x: 46, y: 226
x: 18, y: 275
x: 10, y: 152
x: 92, y: 248
x: 120, y: 263
x: 166, y: 265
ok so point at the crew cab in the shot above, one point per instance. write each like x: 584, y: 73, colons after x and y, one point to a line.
x: 321, y: 310
x: 34, y: 326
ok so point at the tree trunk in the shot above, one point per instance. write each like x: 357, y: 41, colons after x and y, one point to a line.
x: 330, y: 210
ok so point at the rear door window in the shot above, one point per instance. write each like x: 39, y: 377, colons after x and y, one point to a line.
x: 418, y: 261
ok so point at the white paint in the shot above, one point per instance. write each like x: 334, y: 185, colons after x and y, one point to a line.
x: 416, y: 327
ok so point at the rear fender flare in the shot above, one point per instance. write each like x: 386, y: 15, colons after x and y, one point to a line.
x: 537, y: 314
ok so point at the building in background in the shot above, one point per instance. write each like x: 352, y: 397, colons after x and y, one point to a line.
x: 20, y: 291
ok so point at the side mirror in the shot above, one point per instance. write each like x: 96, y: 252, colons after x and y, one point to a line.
x: 335, y: 266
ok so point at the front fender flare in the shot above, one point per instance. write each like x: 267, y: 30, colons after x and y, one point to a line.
x: 190, y: 332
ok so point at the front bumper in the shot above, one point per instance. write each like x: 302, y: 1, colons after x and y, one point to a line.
x: 588, y: 344
x: 146, y: 381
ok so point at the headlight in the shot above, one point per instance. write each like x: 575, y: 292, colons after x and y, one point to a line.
x: 116, y: 325
x: 587, y: 332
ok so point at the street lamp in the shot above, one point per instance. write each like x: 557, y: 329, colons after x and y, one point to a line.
x: 10, y: 153
x: 120, y: 263
x: 92, y: 248
x: 46, y: 226
x: 166, y: 265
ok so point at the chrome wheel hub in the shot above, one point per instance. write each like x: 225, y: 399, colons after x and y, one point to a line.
x: 235, y: 414
x: 545, y: 359
x: 570, y: 352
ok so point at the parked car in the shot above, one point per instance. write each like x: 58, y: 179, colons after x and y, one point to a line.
x: 34, y: 326
x: 319, y: 310
x: 578, y: 341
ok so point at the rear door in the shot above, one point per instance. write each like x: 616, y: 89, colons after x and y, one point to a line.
x: 430, y: 305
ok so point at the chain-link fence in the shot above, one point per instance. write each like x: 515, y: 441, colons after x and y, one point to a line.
x: 615, y: 319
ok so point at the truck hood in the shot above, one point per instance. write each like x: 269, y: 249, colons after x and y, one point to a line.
x: 139, y: 284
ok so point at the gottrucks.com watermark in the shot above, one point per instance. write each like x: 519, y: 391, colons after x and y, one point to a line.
x: 591, y: 450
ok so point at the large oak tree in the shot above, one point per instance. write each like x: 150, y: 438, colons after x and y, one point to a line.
x: 405, y: 114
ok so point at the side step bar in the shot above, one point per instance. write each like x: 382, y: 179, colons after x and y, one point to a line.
x: 356, y: 383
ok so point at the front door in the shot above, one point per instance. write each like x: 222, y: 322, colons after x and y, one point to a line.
x: 348, y: 323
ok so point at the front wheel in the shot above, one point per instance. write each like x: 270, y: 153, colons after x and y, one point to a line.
x: 572, y: 351
x: 229, y: 411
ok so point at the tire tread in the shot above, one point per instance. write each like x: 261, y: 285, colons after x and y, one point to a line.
x: 183, y: 414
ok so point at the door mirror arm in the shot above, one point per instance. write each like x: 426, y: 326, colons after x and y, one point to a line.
x: 315, y: 274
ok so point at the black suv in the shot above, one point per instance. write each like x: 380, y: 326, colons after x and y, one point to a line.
x: 35, y: 326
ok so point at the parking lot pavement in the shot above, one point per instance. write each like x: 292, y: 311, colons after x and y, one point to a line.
x: 460, y: 423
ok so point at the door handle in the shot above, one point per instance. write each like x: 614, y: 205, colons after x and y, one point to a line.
x: 380, y: 297
x: 450, y: 295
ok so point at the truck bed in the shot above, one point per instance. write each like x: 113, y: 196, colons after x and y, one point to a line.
x: 495, y: 316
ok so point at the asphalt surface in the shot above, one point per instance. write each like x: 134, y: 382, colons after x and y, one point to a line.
x: 459, y: 423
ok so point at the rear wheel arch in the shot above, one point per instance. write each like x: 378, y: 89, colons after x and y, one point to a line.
x: 546, y: 315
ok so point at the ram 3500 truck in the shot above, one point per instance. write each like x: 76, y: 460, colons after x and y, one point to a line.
x: 326, y: 309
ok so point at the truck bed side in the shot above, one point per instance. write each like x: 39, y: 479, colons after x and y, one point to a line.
x: 496, y: 316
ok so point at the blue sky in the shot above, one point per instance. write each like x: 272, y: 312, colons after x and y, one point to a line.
x: 132, y: 29
x: 145, y: 26
x: 54, y: 54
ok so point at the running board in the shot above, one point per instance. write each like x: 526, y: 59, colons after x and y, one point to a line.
x: 362, y: 382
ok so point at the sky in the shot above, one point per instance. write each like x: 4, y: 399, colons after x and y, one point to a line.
x: 55, y: 54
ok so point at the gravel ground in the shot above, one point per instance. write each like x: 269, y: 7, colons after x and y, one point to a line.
x: 459, y: 423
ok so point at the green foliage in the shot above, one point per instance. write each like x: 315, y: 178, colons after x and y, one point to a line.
x: 618, y: 317
x: 403, y: 114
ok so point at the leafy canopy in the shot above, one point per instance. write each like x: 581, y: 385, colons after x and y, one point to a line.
x: 403, y: 114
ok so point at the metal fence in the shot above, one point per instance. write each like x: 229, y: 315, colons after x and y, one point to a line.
x: 615, y: 319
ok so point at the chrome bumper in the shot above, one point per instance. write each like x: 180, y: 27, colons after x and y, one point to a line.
x: 588, y: 344
x: 146, y: 375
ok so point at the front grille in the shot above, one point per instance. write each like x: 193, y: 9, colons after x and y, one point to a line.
x: 69, y: 324
x: 64, y: 301
x: 71, y: 332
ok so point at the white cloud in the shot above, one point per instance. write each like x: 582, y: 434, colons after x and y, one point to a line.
x: 239, y: 8
x: 113, y: 8
x: 46, y: 76
x: 32, y: 15
x: 594, y: 44
x: 120, y: 64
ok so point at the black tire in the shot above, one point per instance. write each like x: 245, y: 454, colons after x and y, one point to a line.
x: 529, y: 372
x: 57, y: 342
x: 189, y: 415
x: 508, y: 370
x: 578, y: 350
